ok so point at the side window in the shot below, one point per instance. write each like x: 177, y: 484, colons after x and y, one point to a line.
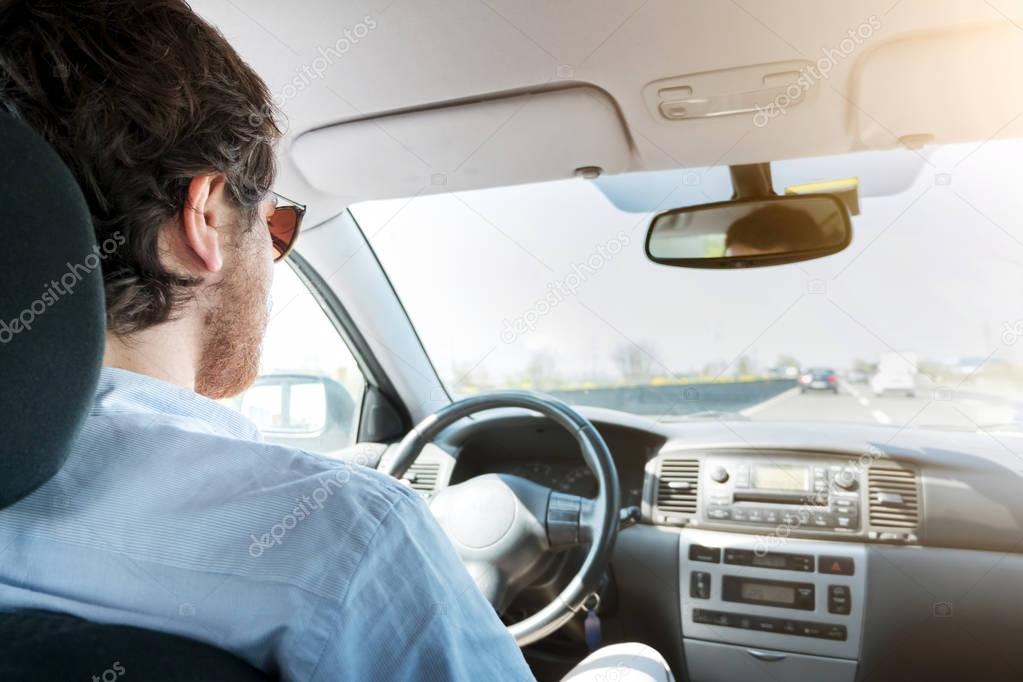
x: 310, y: 388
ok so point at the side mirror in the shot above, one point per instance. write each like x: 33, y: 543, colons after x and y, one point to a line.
x: 749, y: 233
x: 305, y: 411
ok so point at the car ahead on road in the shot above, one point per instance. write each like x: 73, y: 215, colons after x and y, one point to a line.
x: 896, y: 373
x: 818, y: 379
x: 856, y: 376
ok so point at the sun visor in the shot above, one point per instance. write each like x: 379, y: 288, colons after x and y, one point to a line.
x: 947, y: 86
x: 496, y: 141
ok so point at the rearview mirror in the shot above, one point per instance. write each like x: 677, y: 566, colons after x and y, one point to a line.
x: 748, y: 233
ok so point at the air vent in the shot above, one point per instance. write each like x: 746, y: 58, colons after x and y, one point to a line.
x: 894, y: 497
x: 422, y: 476
x: 677, y: 482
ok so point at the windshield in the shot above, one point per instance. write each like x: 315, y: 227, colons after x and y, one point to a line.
x: 547, y: 287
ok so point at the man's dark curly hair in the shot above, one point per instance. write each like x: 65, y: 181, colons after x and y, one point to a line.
x: 138, y: 97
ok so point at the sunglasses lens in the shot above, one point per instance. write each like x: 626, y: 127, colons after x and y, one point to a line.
x: 284, y: 229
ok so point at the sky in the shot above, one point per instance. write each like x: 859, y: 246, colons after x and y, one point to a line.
x: 935, y: 268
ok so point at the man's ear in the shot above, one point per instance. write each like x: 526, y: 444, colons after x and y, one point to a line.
x: 206, y: 209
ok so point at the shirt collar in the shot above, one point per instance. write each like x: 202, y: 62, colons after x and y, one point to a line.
x: 123, y: 390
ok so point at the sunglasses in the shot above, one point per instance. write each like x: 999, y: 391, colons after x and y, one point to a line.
x: 284, y: 223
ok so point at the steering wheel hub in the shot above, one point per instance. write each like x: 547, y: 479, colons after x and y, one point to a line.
x: 483, y: 519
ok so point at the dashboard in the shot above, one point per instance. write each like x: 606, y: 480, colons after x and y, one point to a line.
x: 563, y: 474
x: 793, y: 551
x: 548, y: 455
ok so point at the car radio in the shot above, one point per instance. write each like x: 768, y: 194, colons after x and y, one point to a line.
x: 813, y: 495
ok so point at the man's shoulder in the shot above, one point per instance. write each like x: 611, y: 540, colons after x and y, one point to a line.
x: 209, y: 501
x: 323, y: 518
x: 343, y: 494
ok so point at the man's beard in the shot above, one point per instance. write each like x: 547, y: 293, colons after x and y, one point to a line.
x: 229, y: 362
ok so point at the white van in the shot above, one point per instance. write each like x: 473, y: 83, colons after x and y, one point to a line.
x: 895, y: 372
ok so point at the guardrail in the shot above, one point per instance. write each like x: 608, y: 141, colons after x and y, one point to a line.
x: 678, y: 399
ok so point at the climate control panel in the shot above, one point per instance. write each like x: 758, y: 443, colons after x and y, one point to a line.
x: 806, y: 597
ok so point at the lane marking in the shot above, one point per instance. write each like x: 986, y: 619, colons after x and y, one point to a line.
x: 881, y: 417
x: 863, y: 401
x: 749, y: 411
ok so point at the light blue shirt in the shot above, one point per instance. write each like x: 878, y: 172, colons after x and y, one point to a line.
x: 171, y: 515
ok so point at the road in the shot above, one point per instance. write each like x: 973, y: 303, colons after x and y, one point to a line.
x: 932, y: 406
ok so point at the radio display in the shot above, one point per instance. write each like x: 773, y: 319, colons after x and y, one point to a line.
x: 763, y: 593
x: 769, y: 560
x: 781, y: 477
x: 780, y: 593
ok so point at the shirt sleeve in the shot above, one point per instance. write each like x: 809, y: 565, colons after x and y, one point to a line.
x: 412, y: 612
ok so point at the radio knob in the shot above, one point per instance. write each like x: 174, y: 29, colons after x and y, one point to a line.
x: 845, y: 479
x: 719, y: 474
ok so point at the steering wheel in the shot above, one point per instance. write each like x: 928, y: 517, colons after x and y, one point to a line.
x: 504, y: 527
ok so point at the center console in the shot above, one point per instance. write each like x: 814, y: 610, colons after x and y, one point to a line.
x: 791, y: 611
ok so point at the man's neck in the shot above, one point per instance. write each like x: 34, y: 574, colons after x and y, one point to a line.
x: 167, y: 352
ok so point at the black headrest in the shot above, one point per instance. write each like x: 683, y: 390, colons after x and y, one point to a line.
x: 51, y: 311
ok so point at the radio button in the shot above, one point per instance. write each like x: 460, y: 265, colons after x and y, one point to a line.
x: 719, y: 513
x: 739, y: 557
x: 756, y: 515
x: 839, y: 600
x: 699, y: 585
x: 725, y: 619
x: 711, y: 555
x: 719, y: 474
x: 835, y: 632
x: 810, y: 630
x: 739, y: 515
x: 771, y: 516
x: 801, y: 563
x: 845, y: 480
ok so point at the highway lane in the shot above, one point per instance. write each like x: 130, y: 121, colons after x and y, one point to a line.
x: 930, y: 407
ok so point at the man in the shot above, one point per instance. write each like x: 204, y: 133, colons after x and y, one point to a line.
x: 170, y: 514
x: 773, y: 230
